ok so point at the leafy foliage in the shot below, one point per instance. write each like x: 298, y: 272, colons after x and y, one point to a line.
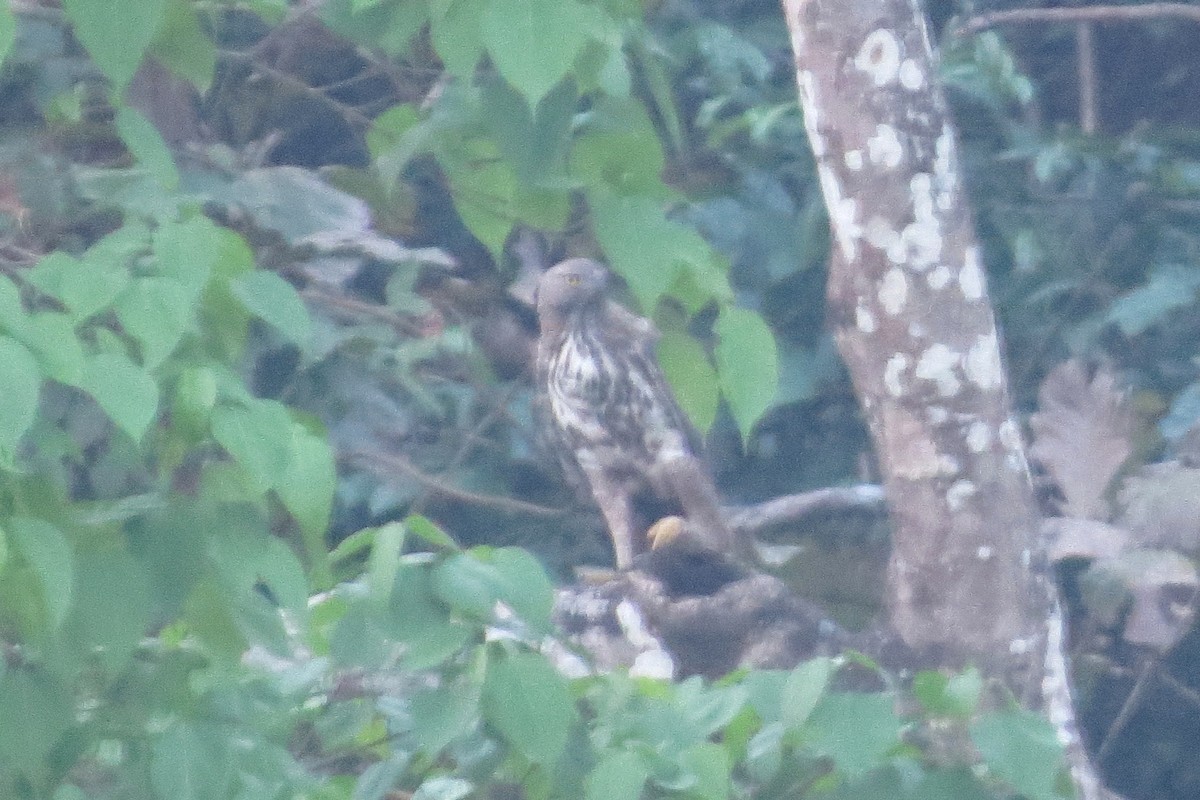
x: 196, y: 338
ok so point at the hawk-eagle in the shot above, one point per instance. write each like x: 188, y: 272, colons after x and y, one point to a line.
x: 611, y: 418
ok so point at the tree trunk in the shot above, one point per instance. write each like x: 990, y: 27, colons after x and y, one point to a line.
x: 909, y: 307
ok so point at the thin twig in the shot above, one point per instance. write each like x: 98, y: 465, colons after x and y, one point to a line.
x: 1026, y: 16
x: 385, y: 464
x: 1085, y: 57
x: 350, y: 114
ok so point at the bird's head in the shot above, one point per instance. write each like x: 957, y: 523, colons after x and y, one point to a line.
x: 570, y: 285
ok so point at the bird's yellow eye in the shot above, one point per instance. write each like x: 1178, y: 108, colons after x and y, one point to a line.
x: 573, y: 280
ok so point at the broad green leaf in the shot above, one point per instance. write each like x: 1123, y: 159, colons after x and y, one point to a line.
x: 618, y: 776
x: 642, y: 245
x: 619, y: 148
x: 1170, y: 286
x: 429, y: 531
x: 115, y: 33
x: 419, y: 620
x: 468, y: 584
x: 12, y: 310
x: 8, y: 30
x: 189, y: 762
x: 157, y: 313
x: 275, y: 301
x: 484, y: 196
x: 183, y: 46
x: 747, y: 365
x: 84, y: 287
x: 110, y: 609
x: 456, y: 36
x: 189, y: 251
x: 44, y: 708
x: 46, y: 550
x: 147, y: 146
x: 524, y: 585
x: 195, y: 399
x: 307, y: 493
x: 856, y: 730
x: 708, y: 763
x: 19, y: 400
x: 125, y: 391
x: 378, y: 780
x: 955, y: 695
x: 442, y: 715
x: 534, y: 143
x: 1022, y: 748
x: 52, y: 338
x: 534, y: 42
x: 804, y: 688
x: 692, y: 377
x: 384, y: 560
x: 530, y: 705
x: 259, y: 437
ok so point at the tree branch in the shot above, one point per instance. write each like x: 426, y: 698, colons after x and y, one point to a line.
x: 1027, y: 16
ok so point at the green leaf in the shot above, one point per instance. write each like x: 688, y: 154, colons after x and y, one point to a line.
x: 52, y: 338
x: 189, y: 251
x: 442, y: 715
x: 525, y: 587
x: 468, y: 584
x: 384, y: 561
x: 125, y: 391
x: 183, y: 47
x: 8, y: 30
x: 46, y: 550
x: 456, y: 36
x: 115, y: 33
x: 147, y: 146
x: 530, y: 705
x: 275, y: 301
x: 429, y: 531
x: 191, y: 763
x: 534, y: 42
x: 618, y: 776
x: 708, y: 763
x: 804, y: 688
x: 955, y: 695
x: 856, y: 730
x: 84, y: 287
x: 156, y: 312
x: 44, y: 707
x: 692, y: 377
x: 307, y: 493
x: 110, y: 610
x: 1169, y: 287
x: 19, y: 400
x: 195, y: 399
x: 259, y: 437
x: 1022, y: 748
x: 747, y: 365
x: 381, y: 777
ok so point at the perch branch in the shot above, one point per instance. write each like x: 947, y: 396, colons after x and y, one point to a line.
x: 752, y: 520
x: 1024, y: 16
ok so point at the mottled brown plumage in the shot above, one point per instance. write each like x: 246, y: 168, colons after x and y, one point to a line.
x: 610, y: 415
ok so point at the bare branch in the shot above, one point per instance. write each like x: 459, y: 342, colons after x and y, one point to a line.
x: 1029, y: 16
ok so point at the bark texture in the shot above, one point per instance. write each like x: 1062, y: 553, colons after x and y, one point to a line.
x: 909, y: 306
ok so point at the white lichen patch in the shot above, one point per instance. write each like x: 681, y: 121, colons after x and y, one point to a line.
x: 916, y: 330
x: 982, y: 364
x: 864, y: 319
x: 948, y: 465
x: 911, y: 76
x: 843, y: 214
x: 854, y: 160
x: 922, y: 237
x: 879, y: 56
x: 939, y: 364
x: 884, y: 148
x: 970, y: 277
x: 880, y: 234
x: 959, y: 493
x: 938, y: 277
x: 979, y: 436
x: 936, y: 415
x: 806, y: 82
x: 893, y: 291
x: 985, y: 552
x: 893, y: 372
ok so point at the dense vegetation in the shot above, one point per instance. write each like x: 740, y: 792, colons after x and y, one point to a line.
x: 267, y: 478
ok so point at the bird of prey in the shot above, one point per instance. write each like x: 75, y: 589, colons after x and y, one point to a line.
x: 610, y: 417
